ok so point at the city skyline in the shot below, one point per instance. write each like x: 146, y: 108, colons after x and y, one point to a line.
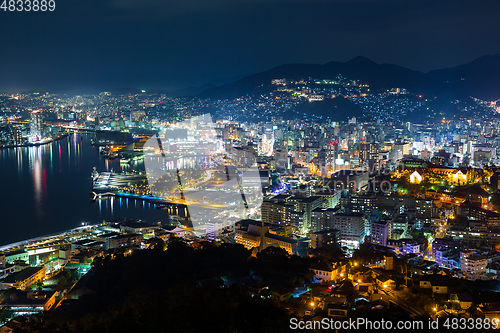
x: 253, y: 165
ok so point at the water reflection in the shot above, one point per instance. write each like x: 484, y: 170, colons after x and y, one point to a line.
x: 35, y: 162
x: 49, y: 189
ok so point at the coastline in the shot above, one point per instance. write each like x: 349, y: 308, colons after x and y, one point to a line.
x: 41, y: 143
x: 45, y: 237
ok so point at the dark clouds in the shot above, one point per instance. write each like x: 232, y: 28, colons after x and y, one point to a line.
x: 171, y: 44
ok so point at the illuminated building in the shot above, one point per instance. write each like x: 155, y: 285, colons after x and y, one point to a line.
x: 352, y: 229
x: 331, y: 199
x: 16, y: 136
x: 28, y: 303
x: 252, y: 234
x: 23, y: 279
x: 326, y: 271
x: 380, y: 232
x: 277, y: 212
x: 322, y: 218
x: 488, y: 237
x: 124, y: 241
x: 359, y: 204
x: 472, y: 265
x: 220, y: 230
x: 36, y: 123
x: 411, y: 248
x: 425, y: 209
x: 475, y: 212
x: 403, y: 146
x: 459, y: 177
x: 349, y: 180
x: 415, y: 178
x: 307, y: 205
x: 13, y: 256
x: 325, y: 237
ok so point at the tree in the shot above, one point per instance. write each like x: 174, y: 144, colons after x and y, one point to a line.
x: 143, y: 291
x: 39, y: 285
x: 474, y: 311
x: 367, y: 254
x: 177, y: 245
x: 333, y: 252
x: 98, y: 261
x: 61, y: 284
x: 5, y: 315
x: 157, y: 244
x: 273, y: 254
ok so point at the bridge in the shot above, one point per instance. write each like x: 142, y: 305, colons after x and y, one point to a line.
x: 157, y: 202
x: 79, y: 129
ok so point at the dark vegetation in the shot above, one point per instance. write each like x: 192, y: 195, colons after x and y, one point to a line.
x: 181, y: 289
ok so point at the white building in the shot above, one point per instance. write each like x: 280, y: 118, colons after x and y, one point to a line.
x: 473, y: 266
x: 221, y: 229
x: 411, y: 248
x: 352, y: 229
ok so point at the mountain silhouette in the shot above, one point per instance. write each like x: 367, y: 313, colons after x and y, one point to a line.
x: 479, y: 78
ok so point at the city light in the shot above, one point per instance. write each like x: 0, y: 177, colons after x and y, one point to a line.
x: 311, y: 191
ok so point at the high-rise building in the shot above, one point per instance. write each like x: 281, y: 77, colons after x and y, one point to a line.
x: 277, y: 211
x: 322, y: 218
x: 359, y: 204
x: 352, y: 229
x: 36, y: 123
x: 368, y: 151
x: 331, y: 199
x: 425, y: 210
x: 380, y: 232
x: 306, y: 205
x: 472, y: 265
x: 324, y: 238
x: 349, y: 181
x: 16, y: 136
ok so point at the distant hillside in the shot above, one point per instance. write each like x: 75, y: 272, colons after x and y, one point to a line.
x: 439, y: 90
x: 337, y: 109
x: 381, y: 77
x: 479, y: 78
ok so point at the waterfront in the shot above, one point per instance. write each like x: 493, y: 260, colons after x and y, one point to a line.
x: 46, y: 189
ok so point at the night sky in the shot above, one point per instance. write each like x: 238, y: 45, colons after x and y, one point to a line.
x: 146, y: 44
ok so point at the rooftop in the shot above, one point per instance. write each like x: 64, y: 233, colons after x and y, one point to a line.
x: 22, y: 275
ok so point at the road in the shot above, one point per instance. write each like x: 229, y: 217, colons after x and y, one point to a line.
x: 402, y: 303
